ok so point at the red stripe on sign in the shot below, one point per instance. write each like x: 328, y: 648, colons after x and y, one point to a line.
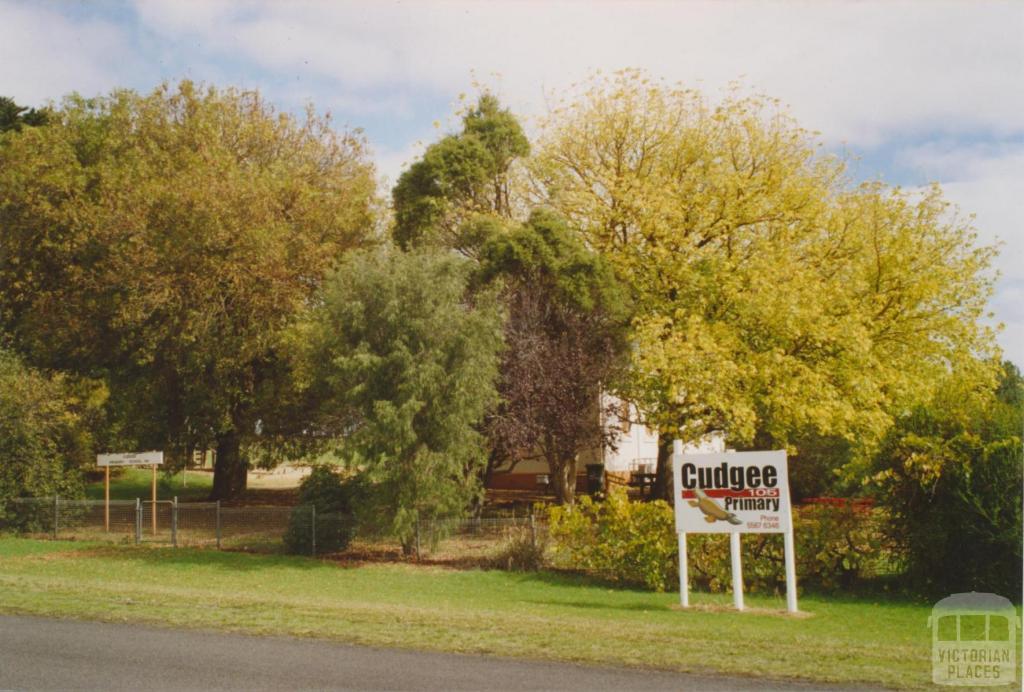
x: 726, y: 492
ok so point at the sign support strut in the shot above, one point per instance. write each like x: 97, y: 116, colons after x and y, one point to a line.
x: 684, y: 577
x: 790, y: 555
x: 737, y: 570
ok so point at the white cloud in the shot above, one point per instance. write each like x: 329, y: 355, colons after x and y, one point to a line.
x: 864, y: 72
x: 856, y: 71
x: 957, y: 161
x: 44, y: 55
x: 172, y: 18
x: 987, y: 180
x: 869, y: 73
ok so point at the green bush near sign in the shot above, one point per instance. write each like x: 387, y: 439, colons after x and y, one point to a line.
x: 635, y: 543
x: 619, y: 540
x: 950, y: 477
x: 836, y: 546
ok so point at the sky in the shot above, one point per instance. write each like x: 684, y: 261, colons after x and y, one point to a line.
x: 918, y: 92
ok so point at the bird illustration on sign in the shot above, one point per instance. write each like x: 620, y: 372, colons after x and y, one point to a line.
x: 712, y: 510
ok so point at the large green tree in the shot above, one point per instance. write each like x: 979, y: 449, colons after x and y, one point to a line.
x: 775, y: 299
x: 459, y: 176
x: 404, y: 364
x: 566, y: 344
x: 165, y: 242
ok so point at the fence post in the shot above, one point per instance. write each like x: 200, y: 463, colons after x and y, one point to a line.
x: 312, y: 511
x: 417, y: 538
x: 533, y: 531
x: 218, y: 524
x: 174, y: 522
x: 138, y: 521
x: 56, y: 515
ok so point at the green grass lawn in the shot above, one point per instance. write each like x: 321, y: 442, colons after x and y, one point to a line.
x: 543, y: 616
x: 130, y: 483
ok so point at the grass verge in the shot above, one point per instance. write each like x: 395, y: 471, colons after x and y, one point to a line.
x: 543, y: 616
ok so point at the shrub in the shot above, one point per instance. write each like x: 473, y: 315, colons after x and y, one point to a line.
x: 835, y: 547
x: 635, y: 543
x: 43, y: 440
x: 335, y: 524
x: 960, y: 529
x: 405, y: 367
x: 623, y: 541
x: 950, y: 476
x: 524, y: 550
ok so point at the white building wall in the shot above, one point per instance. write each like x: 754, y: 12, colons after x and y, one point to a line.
x: 636, y: 448
x: 637, y: 445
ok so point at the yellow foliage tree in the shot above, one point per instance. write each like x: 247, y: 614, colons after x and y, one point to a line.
x: 775, y: 298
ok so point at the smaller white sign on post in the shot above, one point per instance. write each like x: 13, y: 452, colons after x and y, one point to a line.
x: 105, y: 461
x: 734, y: 493
x: 130, y: 459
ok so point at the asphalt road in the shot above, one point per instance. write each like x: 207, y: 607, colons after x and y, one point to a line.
x: 37, y: 653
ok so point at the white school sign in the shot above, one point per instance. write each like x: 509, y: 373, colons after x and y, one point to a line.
x: 734, y: 493
x: 105, y: 461
x: 130, y: 459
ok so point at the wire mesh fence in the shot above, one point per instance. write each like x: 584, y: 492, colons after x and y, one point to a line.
x: 265, y: 529
x: 509, y: 540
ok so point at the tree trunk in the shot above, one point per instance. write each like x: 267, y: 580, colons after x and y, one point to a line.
x: 485, y: 474
x: 230, y: 470
x: 493, y: 462
x: 662, y: 489
x: 563, y: 478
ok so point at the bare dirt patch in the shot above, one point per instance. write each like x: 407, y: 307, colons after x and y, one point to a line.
x: 73, y: 553
x: 717, y: 608
x: 282, y: 477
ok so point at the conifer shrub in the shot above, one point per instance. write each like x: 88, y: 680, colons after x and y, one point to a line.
x: 332, y: 497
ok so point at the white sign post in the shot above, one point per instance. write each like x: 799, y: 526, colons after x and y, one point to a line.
x: 105, y: 461
x: 734, y: 493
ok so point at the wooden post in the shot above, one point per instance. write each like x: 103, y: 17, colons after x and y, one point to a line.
x: 533, y: 531
x: 154, y: 500
x: 138, y: 520
x: 312, y: 512
x: 106, y: 499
